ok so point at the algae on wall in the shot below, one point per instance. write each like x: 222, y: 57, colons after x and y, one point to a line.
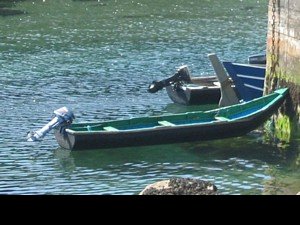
x: 283, y: 58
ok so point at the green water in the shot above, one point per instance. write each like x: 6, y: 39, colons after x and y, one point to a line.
x: 98, y: 58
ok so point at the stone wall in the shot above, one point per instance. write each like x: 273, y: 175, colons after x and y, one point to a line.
x: 283, y: 51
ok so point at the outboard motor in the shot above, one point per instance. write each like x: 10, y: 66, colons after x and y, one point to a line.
x: 62, y: 116
x: 182, y: 74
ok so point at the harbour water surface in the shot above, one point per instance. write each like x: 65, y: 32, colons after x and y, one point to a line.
x: 98, y: 58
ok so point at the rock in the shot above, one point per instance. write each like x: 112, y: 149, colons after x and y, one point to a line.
x: 180, y: 186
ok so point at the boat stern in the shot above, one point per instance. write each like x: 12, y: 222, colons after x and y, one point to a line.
x: 65, y: 139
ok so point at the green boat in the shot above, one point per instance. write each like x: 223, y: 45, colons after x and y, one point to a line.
x: 230, y: 121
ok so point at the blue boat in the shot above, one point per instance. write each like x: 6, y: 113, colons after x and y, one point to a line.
x: 248, y: 79
x: 182, y: 88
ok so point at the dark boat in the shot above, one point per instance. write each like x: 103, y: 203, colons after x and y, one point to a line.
x: 182, y: 88
x: 200, y: 90
x: 225, y: 122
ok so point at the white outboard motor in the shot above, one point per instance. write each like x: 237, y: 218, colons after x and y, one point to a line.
x: 62, y: 116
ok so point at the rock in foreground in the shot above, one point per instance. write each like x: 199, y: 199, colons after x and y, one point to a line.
x: 180, y: 186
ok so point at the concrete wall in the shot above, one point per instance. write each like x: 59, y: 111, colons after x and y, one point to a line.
x: 283, y: 51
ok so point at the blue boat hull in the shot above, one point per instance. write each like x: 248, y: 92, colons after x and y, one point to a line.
x: 248, y: 79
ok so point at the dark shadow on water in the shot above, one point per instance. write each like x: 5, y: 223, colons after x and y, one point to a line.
x: 6, y: 8
x: 101, y: 158
x: 249, y: 147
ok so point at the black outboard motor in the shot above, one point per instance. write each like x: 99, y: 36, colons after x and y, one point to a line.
x: 182, y: 74
x: 62, y: 116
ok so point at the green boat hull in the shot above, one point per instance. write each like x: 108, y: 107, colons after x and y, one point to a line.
x: 231, y: 121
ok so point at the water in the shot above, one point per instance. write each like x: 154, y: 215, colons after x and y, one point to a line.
x: 98, y: 58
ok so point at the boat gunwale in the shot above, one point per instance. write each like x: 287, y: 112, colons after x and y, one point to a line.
x: 247, y: 65
x: 158, y: 127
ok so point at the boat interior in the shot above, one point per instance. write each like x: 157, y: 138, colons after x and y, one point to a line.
x: 225, y: 114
